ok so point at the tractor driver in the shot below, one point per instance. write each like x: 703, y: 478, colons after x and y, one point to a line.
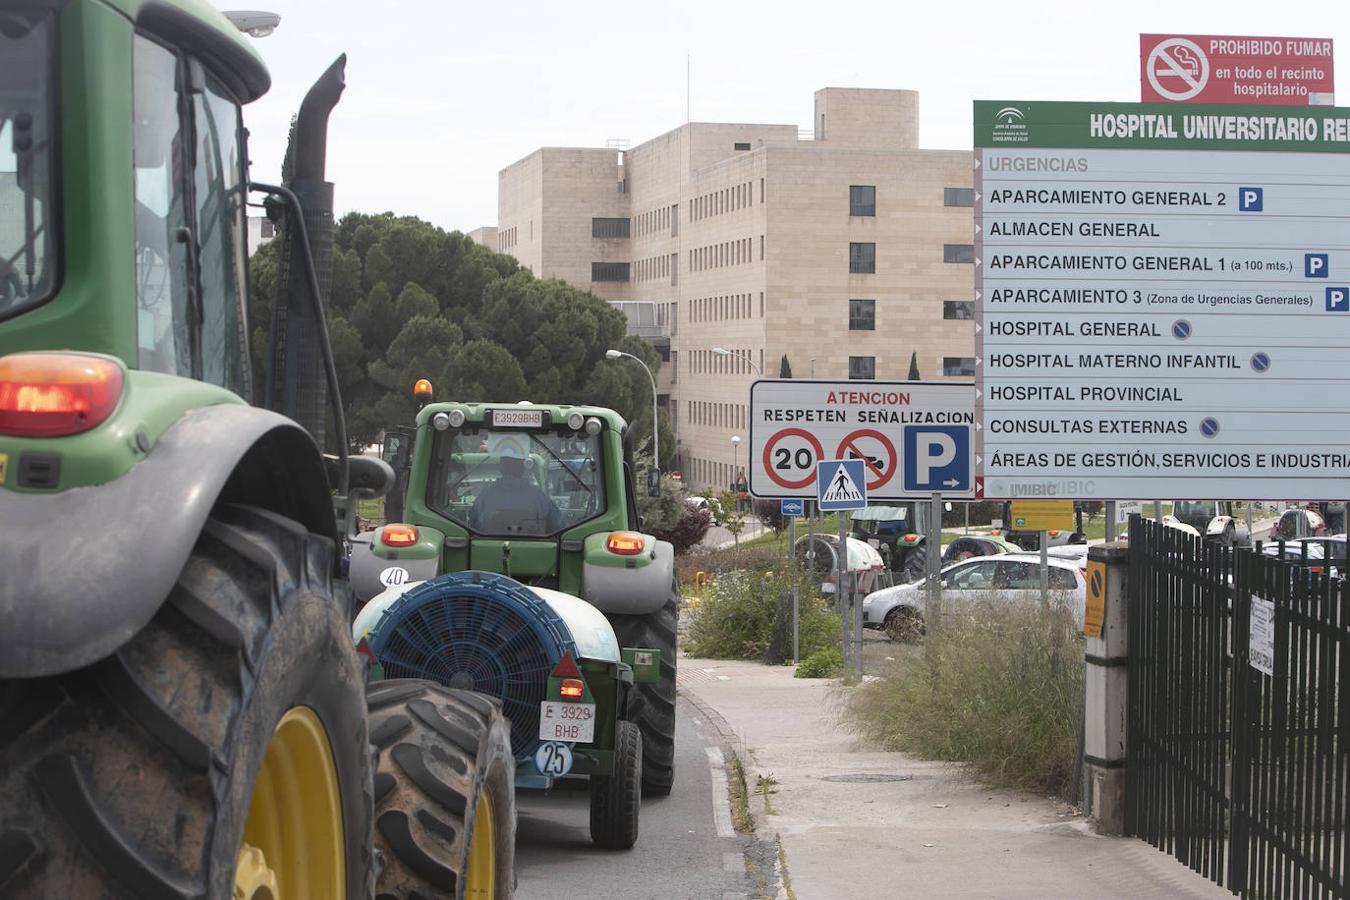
x: 513, y: 504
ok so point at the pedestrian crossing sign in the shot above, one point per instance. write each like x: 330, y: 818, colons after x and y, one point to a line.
x: 841, y: 484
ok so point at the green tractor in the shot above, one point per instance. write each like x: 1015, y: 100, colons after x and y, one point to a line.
x: 522, y: 507
x: 182, y: 713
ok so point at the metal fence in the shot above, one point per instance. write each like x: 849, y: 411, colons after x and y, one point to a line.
x: 1240, y: 774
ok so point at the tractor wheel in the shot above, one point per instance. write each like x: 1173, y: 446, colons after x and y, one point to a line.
x: 916, y: 564
x: 904, y: 625
x: 444, y: 792
x: 221, y: 752
x: 652, y: 706
x: 616, y: 799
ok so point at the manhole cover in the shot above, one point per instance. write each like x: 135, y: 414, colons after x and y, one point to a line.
x: 865, y: 778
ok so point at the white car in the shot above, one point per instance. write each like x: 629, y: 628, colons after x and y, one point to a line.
x: 1014, y: 577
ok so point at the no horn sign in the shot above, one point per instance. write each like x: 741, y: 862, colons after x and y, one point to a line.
x: 910, y: 438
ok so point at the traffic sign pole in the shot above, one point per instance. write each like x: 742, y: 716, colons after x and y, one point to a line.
x: 841, y: 586
x: 1045, y: 570
x: 796, y: 586
x: 934, y: 567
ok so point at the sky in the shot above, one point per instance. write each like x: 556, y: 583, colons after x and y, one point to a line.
x: 442, y: 95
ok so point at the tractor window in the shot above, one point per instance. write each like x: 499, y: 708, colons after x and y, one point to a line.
x: 27, y: 245
x: 161, y: 216
x: 220, y: 236
x: 510, y: 483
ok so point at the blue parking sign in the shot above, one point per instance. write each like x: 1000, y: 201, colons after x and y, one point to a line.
x: 794, y: 508
x: 937, y: 458
x: 1250, y: 199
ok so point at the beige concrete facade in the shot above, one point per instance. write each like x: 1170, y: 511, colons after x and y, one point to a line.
x: 486, y: 236
x: 740, y: 234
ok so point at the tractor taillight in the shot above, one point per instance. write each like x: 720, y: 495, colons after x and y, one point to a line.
x: 56, y: 394
x: 572, y: 689
x: 910, y: 537
x: 626, y: 543
x: 399, y: 535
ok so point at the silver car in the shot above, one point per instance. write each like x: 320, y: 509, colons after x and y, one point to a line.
x: 1014, y: 577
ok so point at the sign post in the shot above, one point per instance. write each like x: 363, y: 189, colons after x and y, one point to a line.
x: 1153, y: 282
x: 792, y: 509
x: 842, y: 486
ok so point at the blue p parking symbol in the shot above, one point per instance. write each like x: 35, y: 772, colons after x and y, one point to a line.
x: 1338, y: 299
x: 1250, y: 199
x: 1316, y: 265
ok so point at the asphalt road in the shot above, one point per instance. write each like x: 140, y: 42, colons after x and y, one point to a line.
x: 679, y: 854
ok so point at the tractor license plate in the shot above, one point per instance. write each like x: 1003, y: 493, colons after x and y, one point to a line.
x: 574, y: 722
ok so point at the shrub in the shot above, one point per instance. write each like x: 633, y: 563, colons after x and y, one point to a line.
x: 739, y: 610
x: 689, y: 530
x: 825, y: 662
x: 998, y: 687
x: 717, y: 562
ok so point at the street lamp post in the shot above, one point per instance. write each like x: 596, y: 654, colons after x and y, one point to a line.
x: 722, y: 351
x: 656, y: 427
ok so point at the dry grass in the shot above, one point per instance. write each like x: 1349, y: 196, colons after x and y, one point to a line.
x: 998, y: 687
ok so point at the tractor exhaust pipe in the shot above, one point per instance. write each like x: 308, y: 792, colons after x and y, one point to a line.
x: 299, y: 387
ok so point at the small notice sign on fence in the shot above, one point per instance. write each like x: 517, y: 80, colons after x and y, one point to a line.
x: 1261, y: 646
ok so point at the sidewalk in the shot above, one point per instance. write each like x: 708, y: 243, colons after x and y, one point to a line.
x: 860, y: 823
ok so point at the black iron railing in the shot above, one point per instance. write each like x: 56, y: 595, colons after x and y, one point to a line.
x: 1240, y: 774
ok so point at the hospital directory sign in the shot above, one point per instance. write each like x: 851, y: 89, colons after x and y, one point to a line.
x: 1163, y: 300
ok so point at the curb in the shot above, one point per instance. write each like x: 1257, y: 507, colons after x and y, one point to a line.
x: 720, y: 724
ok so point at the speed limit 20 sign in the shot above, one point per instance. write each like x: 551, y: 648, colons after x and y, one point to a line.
x: 796, y: 424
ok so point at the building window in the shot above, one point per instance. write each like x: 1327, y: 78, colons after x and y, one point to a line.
x: 958, y: 309
x: 675, y: 220
x: 609, y: 271
x: 862, y: 315
x: 960, y: 366
x: 862, y: 367
x: 862, y: 200
x: 609, y: 228
x: 741, y: 145
x: 862, y: 258
x: 958, y: 196
x: 958, y: 253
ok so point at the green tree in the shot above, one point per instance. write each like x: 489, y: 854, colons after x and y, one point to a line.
x: 784, y: 368
x: 914, y: 366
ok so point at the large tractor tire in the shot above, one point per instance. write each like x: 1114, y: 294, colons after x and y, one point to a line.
x: 221, y: 753
x: 652, y: 706
x: 916, y: 564
x: 616, y: 800
x: 444, y: 792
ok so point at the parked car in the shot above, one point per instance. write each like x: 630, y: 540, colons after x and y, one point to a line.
x: 702, y: 503
x: 1014, y: 577
x: 1324, y: 555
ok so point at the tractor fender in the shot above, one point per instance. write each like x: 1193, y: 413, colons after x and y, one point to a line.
x: 1218, y: 525
x: 85, y: 569
x: 619, y: 590
x: 372, y: 570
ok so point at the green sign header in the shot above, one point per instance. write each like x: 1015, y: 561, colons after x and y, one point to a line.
x: 1002, y: 124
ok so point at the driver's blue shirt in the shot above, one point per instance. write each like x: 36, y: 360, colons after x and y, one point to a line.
x: 512, y: 504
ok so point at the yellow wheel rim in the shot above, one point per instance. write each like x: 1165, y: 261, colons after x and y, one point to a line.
x: 293, y: 846
x: 481, y: 879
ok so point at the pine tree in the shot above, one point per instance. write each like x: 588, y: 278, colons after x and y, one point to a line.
x: 914, y: 366
x: 784, y: 368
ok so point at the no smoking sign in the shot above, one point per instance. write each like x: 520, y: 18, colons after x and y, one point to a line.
x: 1177, y: 69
